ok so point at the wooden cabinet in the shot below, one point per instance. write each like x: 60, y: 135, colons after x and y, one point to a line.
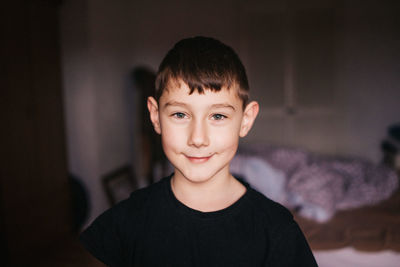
x: 289, y: 52
x: 34, y: 192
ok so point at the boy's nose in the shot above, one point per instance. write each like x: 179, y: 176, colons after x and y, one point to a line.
x: 198, y: 135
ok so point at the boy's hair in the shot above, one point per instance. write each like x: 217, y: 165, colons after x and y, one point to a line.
x: 203, y: 63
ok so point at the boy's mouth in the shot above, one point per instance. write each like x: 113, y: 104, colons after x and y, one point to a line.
x: 198, y: 159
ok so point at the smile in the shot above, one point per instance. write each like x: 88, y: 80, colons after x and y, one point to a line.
x: 198, y: 159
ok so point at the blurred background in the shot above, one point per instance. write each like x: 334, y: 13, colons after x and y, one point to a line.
x: 325, y: 72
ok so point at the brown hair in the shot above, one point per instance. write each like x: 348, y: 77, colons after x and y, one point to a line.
x: 203, y: 63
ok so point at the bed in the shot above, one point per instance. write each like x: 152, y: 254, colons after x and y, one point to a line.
x: 350, y: 257
x: 366, y: 236
x: 361, y: 227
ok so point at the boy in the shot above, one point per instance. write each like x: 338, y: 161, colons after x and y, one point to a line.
x: 200, y: 215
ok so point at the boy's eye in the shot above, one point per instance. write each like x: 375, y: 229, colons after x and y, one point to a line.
x: 218, y: 117
x: 179, y: 115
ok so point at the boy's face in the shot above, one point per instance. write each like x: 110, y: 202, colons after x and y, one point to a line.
x: 200, y: 132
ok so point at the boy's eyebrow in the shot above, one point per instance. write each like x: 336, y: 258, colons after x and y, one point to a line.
x: 221, y: 105
x: 174, y: 103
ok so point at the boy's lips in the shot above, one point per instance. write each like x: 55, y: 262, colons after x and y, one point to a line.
x: 199, y: 159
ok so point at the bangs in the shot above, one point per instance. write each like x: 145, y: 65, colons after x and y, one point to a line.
x: 199, y: 81
x: 203, y: 64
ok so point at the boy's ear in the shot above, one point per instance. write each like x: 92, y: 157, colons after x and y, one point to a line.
x: 249, y: 116
x: 152, y: 106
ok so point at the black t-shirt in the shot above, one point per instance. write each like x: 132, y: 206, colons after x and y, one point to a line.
x: 152, y: 228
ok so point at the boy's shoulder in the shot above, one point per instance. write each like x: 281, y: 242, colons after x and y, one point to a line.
x: 273, y: 213
x: 141, y: 198
x: 287, y: 244
x: 133, y: 208
x: 120, y: 223
x: 128, y: 213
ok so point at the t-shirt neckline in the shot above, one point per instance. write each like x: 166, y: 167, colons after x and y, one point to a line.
x: 182, y: 208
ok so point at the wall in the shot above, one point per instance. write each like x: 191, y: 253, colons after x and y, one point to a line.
x: 96, y: 48
x: 367, y: 76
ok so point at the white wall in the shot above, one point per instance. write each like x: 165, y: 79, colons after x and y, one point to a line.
x: 158, y: 25
x: 102, y: 41
x: 368, y: 76
x: 96, y: 46
x: 365, y: 82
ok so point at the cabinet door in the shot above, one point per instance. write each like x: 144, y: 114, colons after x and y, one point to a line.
x: 289, y: 55
x: 34, y: 190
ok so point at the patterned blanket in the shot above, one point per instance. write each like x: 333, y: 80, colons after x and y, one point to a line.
x: 315, y: 186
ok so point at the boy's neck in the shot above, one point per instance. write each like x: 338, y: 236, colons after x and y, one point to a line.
x: 214, y: 194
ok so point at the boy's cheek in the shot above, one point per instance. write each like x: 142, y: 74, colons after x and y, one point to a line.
x: 229, y: 143
x: 172, y: 140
